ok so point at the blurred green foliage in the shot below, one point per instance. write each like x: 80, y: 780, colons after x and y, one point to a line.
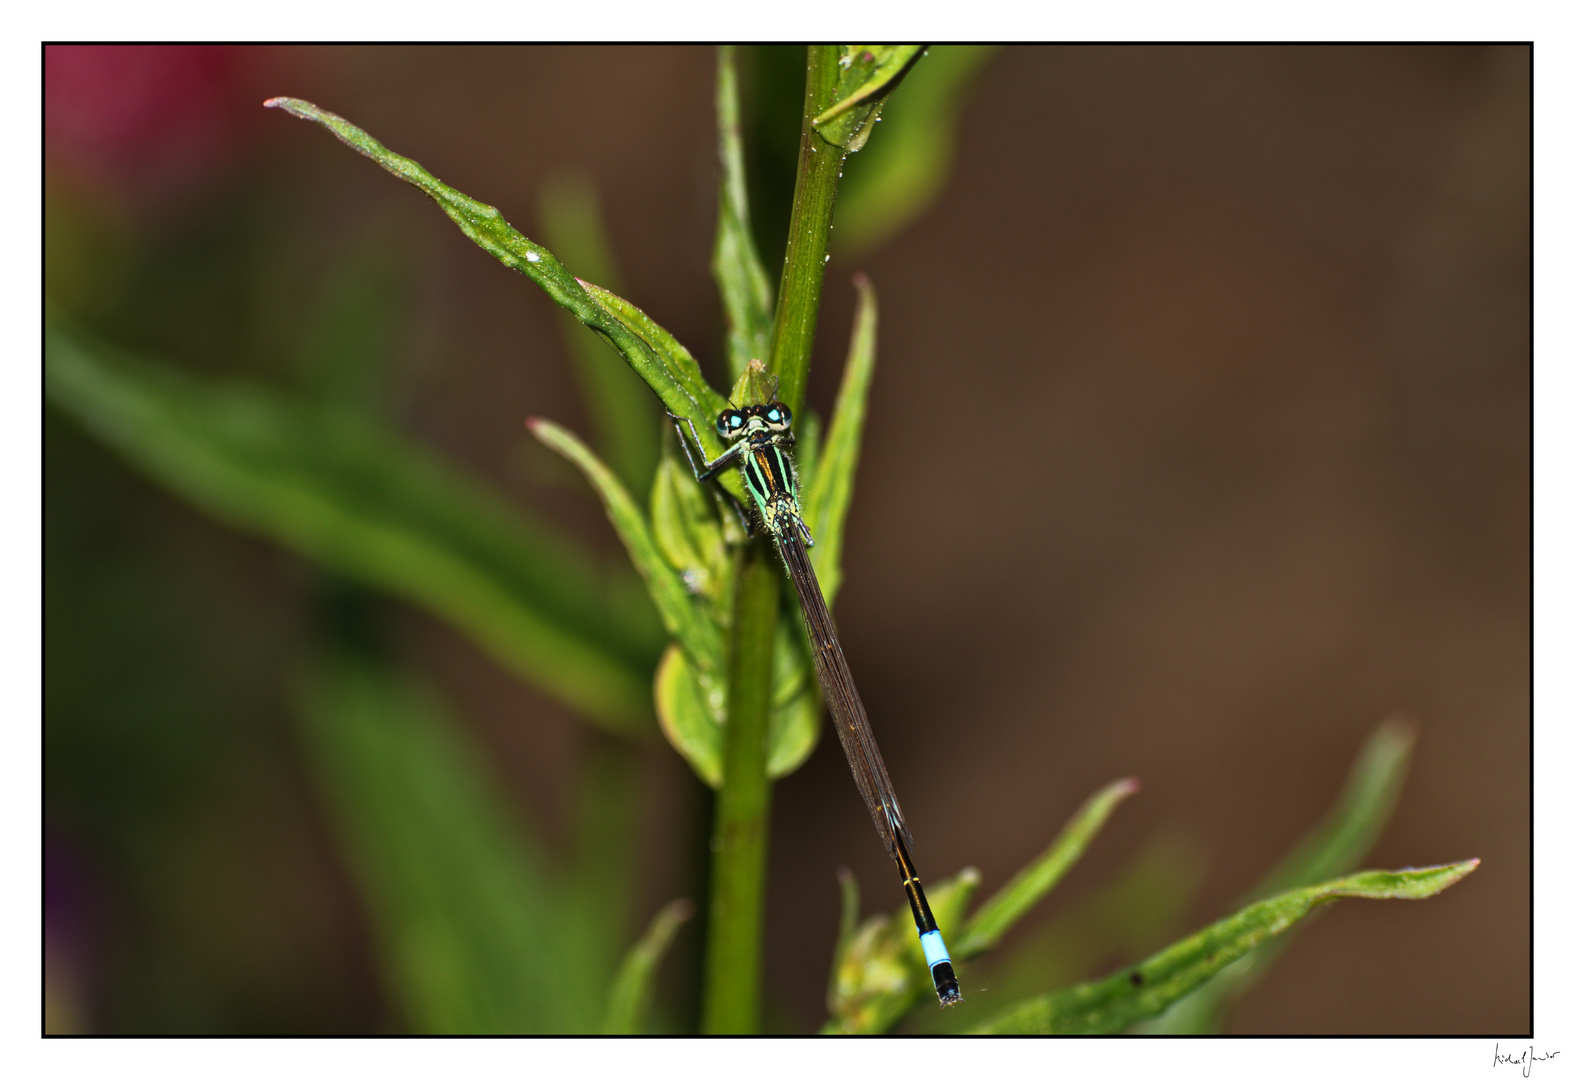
x: 477, y: 930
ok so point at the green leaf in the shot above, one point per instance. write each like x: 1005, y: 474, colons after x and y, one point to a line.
x: 830, y: 487
x: 676, y: 362
x: 700, y: 404
x: 847, y: 926
x: 1147, y: 989
x: 692, y: 708
x: 795, y: 723
x: 690, y: 536
x: 599, y: 894
x: 1136, y: 912
x: 683, y: 392
x: 684, y: 619
x: 690, y: 689
x: 627, y: 435
x: 850, y: 908
x: 1353, y: 824
x: 631, y: 993
x: 904, y: 172
x: 1335, y: 846
x: 879, y: 973
x: 464, y: 909
x: 353, y: 496
x: 735, y: 263
x: 755, y: 386
x: 869, y: 72
x: 685, y: 710
x: 1018, y: 896
x: 986, y: 927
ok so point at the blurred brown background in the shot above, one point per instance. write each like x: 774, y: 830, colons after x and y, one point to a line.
x: 1199, y: 443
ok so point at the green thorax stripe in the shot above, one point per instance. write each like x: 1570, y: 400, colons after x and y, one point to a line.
x: 768, y: 474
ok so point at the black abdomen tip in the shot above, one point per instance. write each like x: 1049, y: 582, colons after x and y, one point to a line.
x: 945, y: 984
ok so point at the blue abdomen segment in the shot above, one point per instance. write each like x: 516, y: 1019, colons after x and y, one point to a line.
x: 934, y: 948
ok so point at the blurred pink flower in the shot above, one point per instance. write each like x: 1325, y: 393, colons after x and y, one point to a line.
x: 141, y: 122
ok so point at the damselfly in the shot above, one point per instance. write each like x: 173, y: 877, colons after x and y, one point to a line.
x: 758, y: 434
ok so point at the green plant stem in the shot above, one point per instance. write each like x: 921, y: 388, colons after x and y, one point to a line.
x: 732, y: 975
x: 809, y: 233
x: 743, y: 807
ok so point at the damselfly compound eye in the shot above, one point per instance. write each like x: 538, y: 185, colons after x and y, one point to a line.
x: 729, y: 423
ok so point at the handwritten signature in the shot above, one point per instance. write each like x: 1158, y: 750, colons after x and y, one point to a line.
x: 1523, y: 1059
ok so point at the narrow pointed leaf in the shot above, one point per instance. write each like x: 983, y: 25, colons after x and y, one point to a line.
x: 630, y: 999
x: 879, y: 973
x: 347, y: 493
x: 1138, y: 911
x: 868, y: 73
x: 1115, y: 1004
x: 1353, y: 824
x: 830, y: 487
x: 676, y: 361
x: 621, y: 411
x: 486, y: 227
x: 846, y: 927
x: 1335, y: 846
x: 698, y: 403
x: 608, y: 815
x: 680, y: 613
x: 463, y: 904
x: 849, y: 921
x: 735, y: 263
x: 1018, y: 896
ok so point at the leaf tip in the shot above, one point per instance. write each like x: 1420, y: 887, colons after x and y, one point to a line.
x: 294, y: 106
x: 1401, y: 727
x: 1454, y: 873
x: 542, y: 428
x: 1126, y: 786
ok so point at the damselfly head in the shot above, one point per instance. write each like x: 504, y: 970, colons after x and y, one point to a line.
x: 775, y: 418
